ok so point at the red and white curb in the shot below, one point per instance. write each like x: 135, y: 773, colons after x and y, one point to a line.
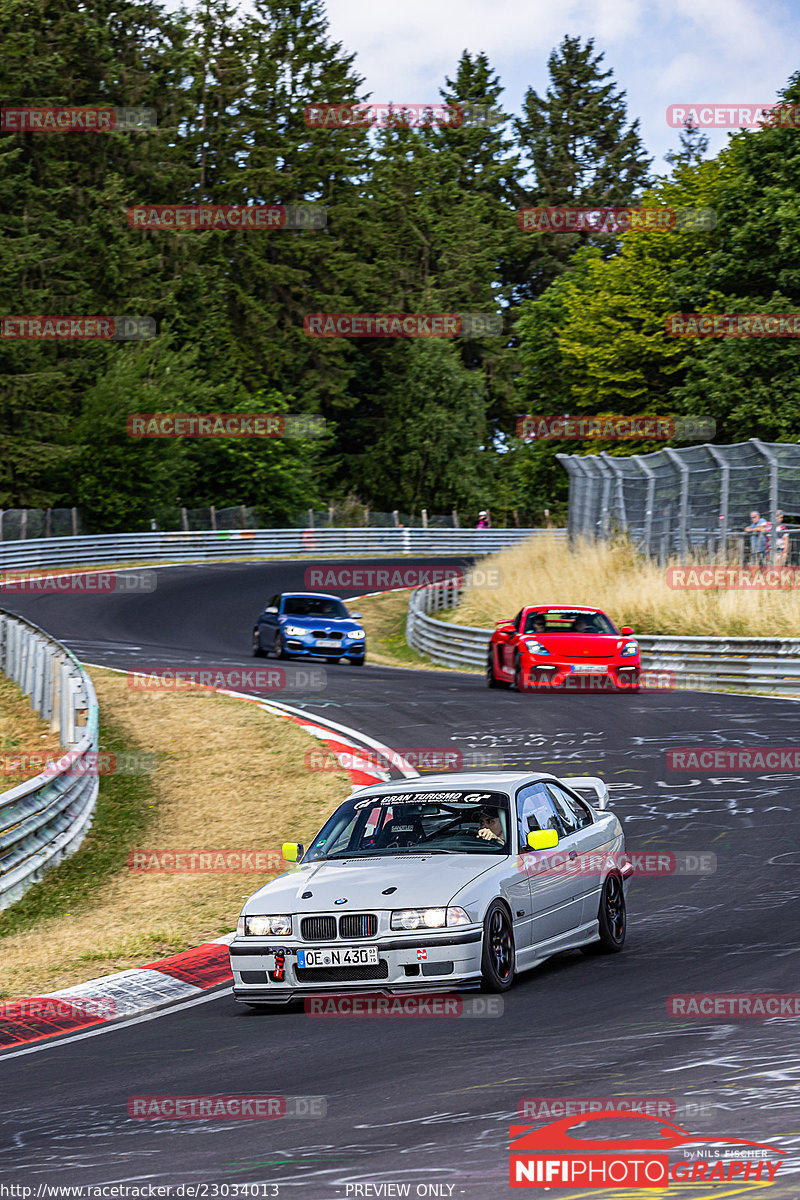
x: 192, y: 972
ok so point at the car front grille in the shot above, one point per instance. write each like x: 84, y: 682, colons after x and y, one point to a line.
x: 358, y: 925
x: 323, y: 633
x: 342, y: 974
x: 318, y: 929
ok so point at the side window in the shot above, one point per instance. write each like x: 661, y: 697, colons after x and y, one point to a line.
x: 517, y: 619
x: 535, y: 810
x: 573, y: 813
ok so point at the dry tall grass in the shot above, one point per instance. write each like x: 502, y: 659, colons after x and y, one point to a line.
x: 544, y: 570
x: 231, y: 777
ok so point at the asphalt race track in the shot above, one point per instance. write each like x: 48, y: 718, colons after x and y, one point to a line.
x: 428, y: 1102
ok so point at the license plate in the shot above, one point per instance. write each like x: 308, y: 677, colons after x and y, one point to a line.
x: 339, y: 956
x: 588, y: 668
x: 327, y: 642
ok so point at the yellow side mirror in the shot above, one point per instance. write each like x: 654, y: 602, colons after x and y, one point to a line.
x: 541, y: 839
x: 290, y: 851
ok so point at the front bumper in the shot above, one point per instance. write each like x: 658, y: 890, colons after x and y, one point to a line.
x: 306, y: 648
x: 614, y: 676
x: 405, y: 964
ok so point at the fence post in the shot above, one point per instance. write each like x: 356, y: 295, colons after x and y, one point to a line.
x: 1, y: 524
x: 424, y: 518
x: 616, y: 470
x: 311, y: 518
x: 330, y: 514
x: 772, y: 461
x: 455, y: 520
x: 724, y: 495
x: 213, y: 513
x: 48, y: 523
x: 74, y: 522
x: 683, y: 518
x: 649, y: 501
x: 184, y: 520
x: 243, y: 511
x: 23, y: 527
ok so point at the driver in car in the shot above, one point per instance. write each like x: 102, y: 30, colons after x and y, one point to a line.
x: 491, y: 827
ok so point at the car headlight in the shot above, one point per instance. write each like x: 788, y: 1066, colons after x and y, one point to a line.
x: 294, y: 630
x: 536, y: 647
x: 356, y: 634
x: 258, y: 926
x: 628, y: 649
x: 428, y: 918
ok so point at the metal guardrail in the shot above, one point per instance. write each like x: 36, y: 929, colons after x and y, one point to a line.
x: 105, y: 549
x: 759, y: 664
x: 47, y: 817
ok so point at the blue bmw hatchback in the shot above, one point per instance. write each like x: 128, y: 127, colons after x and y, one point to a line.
x: 309, y: 624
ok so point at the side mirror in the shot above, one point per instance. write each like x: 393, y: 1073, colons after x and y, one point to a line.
x: 542, y: 839
x: 272, y: 609
x: 506, y: 627
x: 292, y: 851
x: 626, y: 631
x: 355, y: 616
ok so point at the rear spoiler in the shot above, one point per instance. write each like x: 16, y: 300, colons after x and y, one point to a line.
x: 598, y: 786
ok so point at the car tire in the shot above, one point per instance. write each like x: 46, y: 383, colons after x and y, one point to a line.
x: 277, y: 647
x: 497, y: 954
x: 520, y: 682
x: 491, y: 680
x: 256, y: 646
x: 611, y: 917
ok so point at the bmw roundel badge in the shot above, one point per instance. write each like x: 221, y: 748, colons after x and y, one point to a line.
x: 342, y: 901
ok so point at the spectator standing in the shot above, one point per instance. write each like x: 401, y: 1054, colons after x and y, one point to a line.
x: 758, y: 537
x: 484, y: 520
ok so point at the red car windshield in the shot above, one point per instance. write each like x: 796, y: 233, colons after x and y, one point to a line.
x: 568, y: 621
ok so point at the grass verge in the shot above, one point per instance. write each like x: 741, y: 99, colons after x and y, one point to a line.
x: 632, y: 590
x: 384, y: 618
x: 228, y: 776
x: 22, y: 733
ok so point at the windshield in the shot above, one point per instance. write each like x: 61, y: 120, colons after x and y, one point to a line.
x: 455, y: 822
x: 568, y: 621
x: 314, y: 606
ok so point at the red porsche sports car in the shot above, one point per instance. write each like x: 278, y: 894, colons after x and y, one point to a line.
x: 546, y: 646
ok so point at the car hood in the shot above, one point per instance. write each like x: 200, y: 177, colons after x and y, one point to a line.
x: 420, y: 880
x: 582, y: 645
x: 339, y: 623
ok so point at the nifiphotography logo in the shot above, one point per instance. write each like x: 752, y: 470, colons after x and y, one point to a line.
x: 551, y: 1156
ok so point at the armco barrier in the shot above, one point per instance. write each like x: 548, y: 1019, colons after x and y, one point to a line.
x: 712, y: 664
x: 207, y: 545
x: 46, y: 818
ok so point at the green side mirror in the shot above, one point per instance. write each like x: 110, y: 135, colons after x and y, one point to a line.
x: 541, y: 839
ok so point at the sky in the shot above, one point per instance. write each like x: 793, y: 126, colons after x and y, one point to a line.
x: 662, y: 52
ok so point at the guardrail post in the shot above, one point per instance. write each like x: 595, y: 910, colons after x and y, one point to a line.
x: 616, y: 471
x: 424, y: 518
x: 650, y: 475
